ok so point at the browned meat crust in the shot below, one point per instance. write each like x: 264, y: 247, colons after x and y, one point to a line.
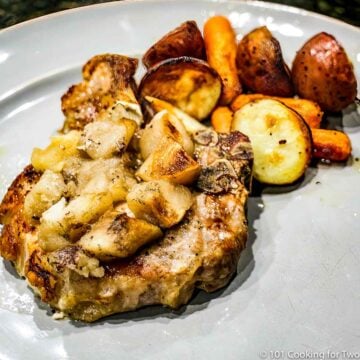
x: 202, y: 251
x: 11, y: 214
x: 107, y: 79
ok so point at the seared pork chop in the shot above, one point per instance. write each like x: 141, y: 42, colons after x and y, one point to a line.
x: 85, y: 253
x: 201, y: 252
x: 108, y: 82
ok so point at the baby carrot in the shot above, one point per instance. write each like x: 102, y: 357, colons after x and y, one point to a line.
x: 220, y: 45
x: 221, y: 119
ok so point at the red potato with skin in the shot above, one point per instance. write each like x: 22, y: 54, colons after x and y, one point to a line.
x: 185, y: 40
x: 322, y: 72
x: 187, y: 83
x: 261, y: 66
x: 309, y: 110
x: 280, y: 138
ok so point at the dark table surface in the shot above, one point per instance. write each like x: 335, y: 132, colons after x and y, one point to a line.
x: 15, y: 11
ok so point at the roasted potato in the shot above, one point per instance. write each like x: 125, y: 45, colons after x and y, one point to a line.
x: 322, y: 72
x: 280, y: 138
x: 169, y: 161
x: 117, y: 235
x: 261, y: 65
x: 164, y: 125
x: 188, y: 83
x: 185, y: 40
x: 191, y: 125
x: 309, y: 110
x: 159, y: 202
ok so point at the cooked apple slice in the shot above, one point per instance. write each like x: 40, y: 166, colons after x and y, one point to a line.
x: 54, y: 155
x: 191, y: 125
x: 159, y: 202
x: 47, y: 191
x: 169, y: 161
x: 280, y: 138
x: 81, y: 210
x: 188, y: 83
x: 87, y: 208
x: 117, y: 235
x: 162, y: 126
x: 122, y: 110
x: 96, y: 176
x: 103, y: 139
x: 53, y: 227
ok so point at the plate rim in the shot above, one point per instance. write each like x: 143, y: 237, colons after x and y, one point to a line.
x: 59, y: 338
x: 253, y: 3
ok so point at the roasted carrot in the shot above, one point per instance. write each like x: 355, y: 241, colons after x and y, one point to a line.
x: 244, y: 99
x: 309, y: 110
x: 330, y: 145
x: 220, y: 45
x: 221, y: 119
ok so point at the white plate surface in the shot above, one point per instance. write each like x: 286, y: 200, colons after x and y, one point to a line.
x: 298, y: 286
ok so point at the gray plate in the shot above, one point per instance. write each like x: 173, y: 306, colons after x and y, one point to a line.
x: 298, y: 283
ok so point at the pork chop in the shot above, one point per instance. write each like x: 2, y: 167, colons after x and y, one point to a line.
x: 201, y: 251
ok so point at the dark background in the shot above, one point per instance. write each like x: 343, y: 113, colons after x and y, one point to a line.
x: 15, y: 11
